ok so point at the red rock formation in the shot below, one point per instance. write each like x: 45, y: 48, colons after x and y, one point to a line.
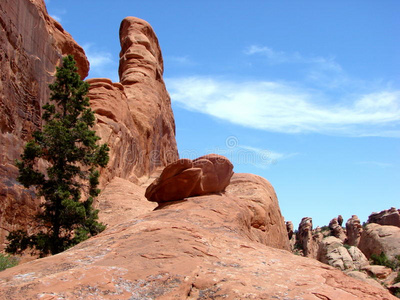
x: 337, y: 230
x: 353, y: 231
x: 376, y: 239
x: 134, y: 118
x: 185, y: 178
x: 28, y: 56
x: 386, y: 217
x: 208, y: 247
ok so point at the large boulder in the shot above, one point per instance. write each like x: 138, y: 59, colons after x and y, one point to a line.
x: 186, y: 178
x: 203, y: 248
x: 332, y: 252
x: 386, y: 217
x: 376, y: 239
x: 353, y: 231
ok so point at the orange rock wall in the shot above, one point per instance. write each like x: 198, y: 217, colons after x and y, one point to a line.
x: 31, y: 45
x: 134, y: 118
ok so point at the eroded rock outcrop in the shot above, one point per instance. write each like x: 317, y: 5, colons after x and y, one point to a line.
x: 204, y: 247
x: 386, y: 217
x: 31, y: 46
x: 291, y: 235
x: 337, y: 230
x: 353, y: 231
x: 186, y: 178
x: 376, y: 239
x: 135, y: 115
x: 332, y: 252
x: 307, y: 239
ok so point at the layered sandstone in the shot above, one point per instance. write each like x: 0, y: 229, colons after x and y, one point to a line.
x: 31, y: 46
x: 386, y: 217
x: 206, y: 247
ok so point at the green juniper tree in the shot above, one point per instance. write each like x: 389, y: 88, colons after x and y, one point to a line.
x: 70, y: 149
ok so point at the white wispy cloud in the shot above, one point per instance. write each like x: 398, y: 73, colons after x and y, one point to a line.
x: 280, y: 107
x: 57, y: 18
x: 375, y: 164
x: 101, y: 63
x: 181, y: 60
x: 280, y: 57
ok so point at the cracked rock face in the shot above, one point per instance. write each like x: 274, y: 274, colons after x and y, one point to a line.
x: 208, y: 247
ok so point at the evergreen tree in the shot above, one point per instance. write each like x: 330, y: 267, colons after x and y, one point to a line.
x: 70, y: 149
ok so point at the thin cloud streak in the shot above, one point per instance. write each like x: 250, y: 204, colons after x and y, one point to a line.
x: 278, y: 107
x: 375, y: 164
x: 280, y: 57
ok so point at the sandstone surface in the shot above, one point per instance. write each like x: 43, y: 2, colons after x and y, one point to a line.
x: 202, y: 248
x: 186, y: 178
x: 31, y: 46
x: 386, y: 217
x: 380, y: 272
x: 365, y: 278
x: 353, y: 231
x: 378, y: 238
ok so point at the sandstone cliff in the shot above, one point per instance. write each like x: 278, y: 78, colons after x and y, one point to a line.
x: 134, y: 118
x: 31, y: 45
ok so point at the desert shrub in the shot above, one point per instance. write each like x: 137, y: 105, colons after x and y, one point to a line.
x: 384, y: 261
x: 7, y: 261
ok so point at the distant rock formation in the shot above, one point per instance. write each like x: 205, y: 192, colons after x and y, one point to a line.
x: 332, y: 252
x: 380, y: 238
x: 208, y: 247
x: 307, y: 239
x: 291, y: 235
x: 386, y: 217
x: 337, y: 230
x: 353, y: 231
x: 186, y: 178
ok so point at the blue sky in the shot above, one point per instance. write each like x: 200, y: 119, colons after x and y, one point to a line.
x: 303, y: 93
